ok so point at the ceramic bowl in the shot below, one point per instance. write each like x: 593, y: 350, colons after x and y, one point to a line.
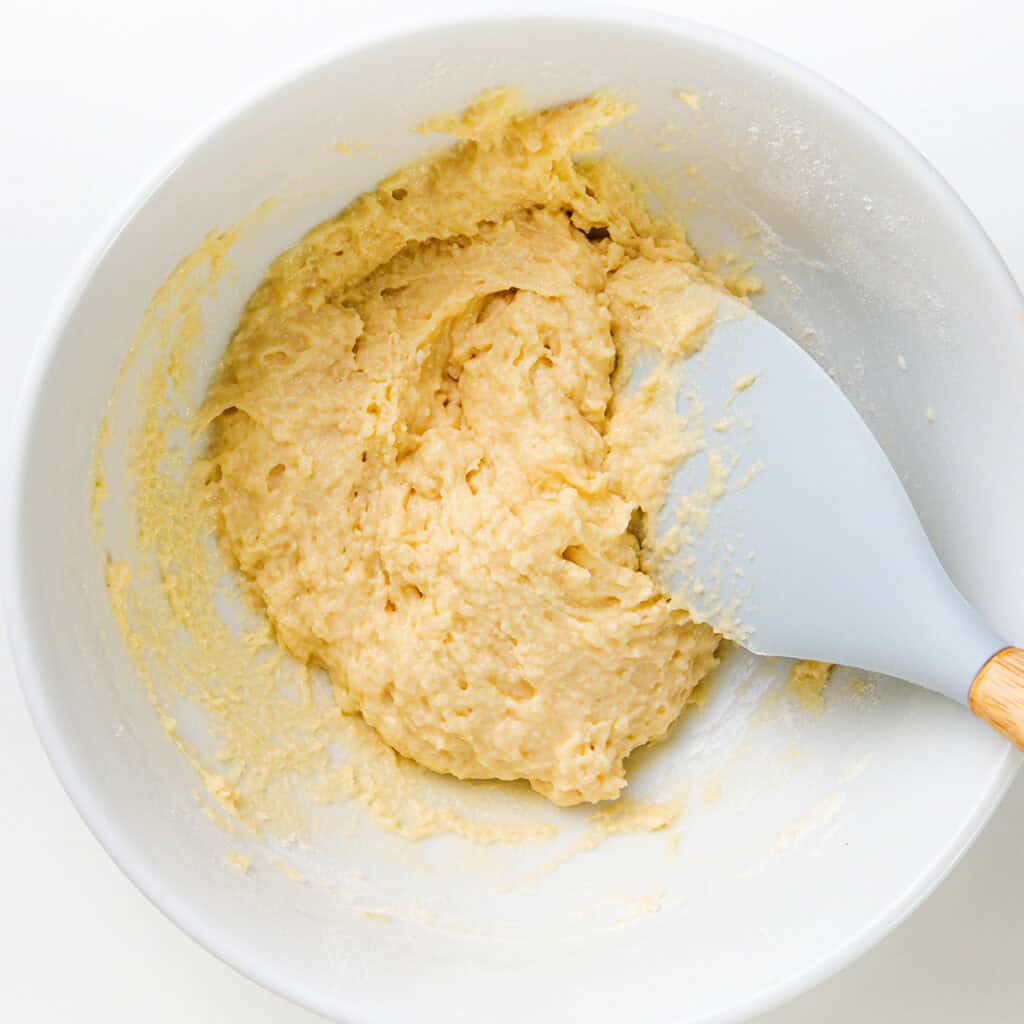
x: 805, y: 837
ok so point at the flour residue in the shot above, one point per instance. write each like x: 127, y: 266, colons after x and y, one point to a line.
x: 623, y: 817
x: 712, y: 594
x: 807, y: 683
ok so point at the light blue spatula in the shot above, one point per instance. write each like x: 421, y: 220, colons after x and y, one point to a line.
x: 812, y: 548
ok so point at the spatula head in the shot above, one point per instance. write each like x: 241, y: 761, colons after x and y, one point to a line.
x: 790, y: 532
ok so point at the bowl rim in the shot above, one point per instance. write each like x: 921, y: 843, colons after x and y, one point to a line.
x: 110, y: 833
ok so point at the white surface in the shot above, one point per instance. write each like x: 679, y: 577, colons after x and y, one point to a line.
x: 782, y: 878
x: 82, y: 942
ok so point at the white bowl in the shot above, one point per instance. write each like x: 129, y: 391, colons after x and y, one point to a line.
x: 828, y: 830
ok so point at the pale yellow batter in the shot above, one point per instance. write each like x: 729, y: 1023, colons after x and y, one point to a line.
x: 424, y: 457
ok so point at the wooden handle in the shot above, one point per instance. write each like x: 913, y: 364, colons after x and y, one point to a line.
x: 997, y: 693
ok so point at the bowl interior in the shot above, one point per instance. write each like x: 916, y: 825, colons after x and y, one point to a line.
x: 803, y: 836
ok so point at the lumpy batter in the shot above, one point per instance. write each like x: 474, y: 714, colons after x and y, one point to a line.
x: 425, y: 458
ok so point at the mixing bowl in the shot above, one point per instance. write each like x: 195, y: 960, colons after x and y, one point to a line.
x: 805, y: 836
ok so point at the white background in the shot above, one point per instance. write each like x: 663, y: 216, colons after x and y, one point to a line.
x: 94, y: 98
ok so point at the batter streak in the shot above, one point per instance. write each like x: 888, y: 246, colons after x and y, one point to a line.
x: 426, y: 460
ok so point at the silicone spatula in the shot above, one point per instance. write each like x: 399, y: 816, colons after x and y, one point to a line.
x: 790, y: 532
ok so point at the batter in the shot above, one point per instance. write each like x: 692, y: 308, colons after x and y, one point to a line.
x: 425, y: 457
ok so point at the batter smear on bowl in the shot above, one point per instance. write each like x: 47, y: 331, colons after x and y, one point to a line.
x: 425, y: 456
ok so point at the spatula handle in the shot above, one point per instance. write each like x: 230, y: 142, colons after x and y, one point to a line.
x: 997, y: 693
